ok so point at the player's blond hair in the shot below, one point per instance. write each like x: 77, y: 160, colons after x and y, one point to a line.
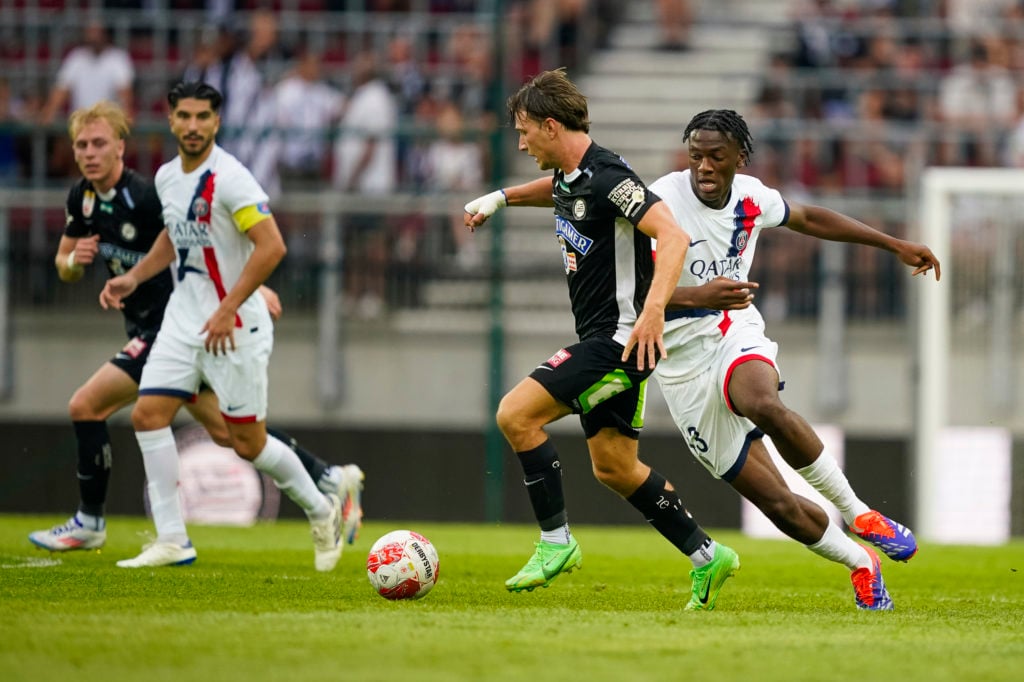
x: 101, y: 111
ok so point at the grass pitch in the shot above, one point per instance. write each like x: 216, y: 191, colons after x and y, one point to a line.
x: 252, y: 608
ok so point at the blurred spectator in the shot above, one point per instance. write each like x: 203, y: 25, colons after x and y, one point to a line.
x: 405, y: 74
x: 823, y: 40
x: 238, y: 72
x: 549, y: 31
x: 1014, y: 155
x: 364, y: 153
x: 871, y: 155
x: 468, y: 78
x: 969, y: 18
x: 674, y: 20
x: 911, y: 87
x: 306, y: 108
x: 365, y: 162
x: 94, y: 71
x: 977, y: 100
x: 825, y: 44
x: 456, y: 165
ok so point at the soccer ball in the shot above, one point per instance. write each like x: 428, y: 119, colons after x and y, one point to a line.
x: 402, y: 565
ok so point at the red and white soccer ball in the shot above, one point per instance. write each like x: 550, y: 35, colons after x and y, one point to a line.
x: 402, y: 565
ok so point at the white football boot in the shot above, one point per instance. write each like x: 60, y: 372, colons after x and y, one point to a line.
x: 327, y: 536
x: 162, y: 554
x: 71, y: 535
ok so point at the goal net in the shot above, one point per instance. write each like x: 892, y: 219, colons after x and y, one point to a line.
x: 969, y: 329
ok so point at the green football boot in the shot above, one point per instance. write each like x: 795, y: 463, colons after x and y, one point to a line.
x: 544, y: 566
x: 708, y: 579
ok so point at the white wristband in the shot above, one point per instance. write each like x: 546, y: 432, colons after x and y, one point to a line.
x: 487, y: 204
x: 72, y: 265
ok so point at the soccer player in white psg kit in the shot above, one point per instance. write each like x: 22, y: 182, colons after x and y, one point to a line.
x: 216, y: 327
x: 720, y: 378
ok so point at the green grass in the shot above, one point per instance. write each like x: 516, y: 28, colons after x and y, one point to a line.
x: 252, y: 608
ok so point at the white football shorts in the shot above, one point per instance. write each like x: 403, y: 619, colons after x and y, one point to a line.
x: 718, y: 437
x: 239, y: 377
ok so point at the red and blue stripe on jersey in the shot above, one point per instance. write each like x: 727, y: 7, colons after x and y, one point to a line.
x: 204, y: 199
x: 745, y: 214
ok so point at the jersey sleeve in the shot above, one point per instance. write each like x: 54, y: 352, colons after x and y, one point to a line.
x: 74, y: 225
x: 244, y: 199
x: 624, y: 191
x: 773, y: 207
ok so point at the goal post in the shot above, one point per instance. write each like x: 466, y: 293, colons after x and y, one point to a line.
x: 961, y: 465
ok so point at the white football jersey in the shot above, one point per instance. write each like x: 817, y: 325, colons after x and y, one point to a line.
x: 199, y: 211
x: 722, y: 244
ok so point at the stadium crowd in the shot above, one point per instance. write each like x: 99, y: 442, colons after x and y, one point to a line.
x: 377, y: 96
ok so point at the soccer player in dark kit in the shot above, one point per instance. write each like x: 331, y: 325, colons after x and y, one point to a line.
x: 114, y: 213
x: 605, y: 219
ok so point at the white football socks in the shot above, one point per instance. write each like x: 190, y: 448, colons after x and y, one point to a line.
x: 160, y: 459
x: 90, y: 522
x: 282, y: 464
x: 558, y: 536
x: 704, y: 554
x: 827, y: 478
x: 835, y: 545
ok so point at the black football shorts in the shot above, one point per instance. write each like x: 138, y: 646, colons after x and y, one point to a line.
x: 591, y: 378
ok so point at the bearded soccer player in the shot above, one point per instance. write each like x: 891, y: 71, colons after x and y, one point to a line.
x: 216, y: 328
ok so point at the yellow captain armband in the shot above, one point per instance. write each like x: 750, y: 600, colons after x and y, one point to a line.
x: 250, y: 215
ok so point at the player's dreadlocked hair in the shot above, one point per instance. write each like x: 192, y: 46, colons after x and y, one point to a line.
x: 727, y: 122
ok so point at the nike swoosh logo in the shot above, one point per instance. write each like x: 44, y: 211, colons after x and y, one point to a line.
x: 235, y: 408
x: 744, y: 350
x: 545, y: 367
x: 707, y: 591
x: 698, y: 241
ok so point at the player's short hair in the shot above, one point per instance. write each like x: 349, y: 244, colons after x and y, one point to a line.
x: 551, y: 95
x: 195, y: 90
x: 101, y: 111
x: 727, y: 122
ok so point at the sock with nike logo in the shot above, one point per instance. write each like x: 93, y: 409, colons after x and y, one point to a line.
x: 663, y: 509
x: 542, y: 474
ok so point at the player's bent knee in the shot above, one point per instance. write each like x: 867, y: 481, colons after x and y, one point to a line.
x: 512, y: 422
x: 80, y: 410
x: 247, y: 445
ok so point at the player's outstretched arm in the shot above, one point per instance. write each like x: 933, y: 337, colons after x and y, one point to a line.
x: 824, y: 223
x: 721, y: 293
x: 534, y: 193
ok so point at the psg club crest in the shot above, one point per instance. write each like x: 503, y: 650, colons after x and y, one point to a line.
x: 88, y: 203
x: 200, y: 207
x: 741, y: 240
